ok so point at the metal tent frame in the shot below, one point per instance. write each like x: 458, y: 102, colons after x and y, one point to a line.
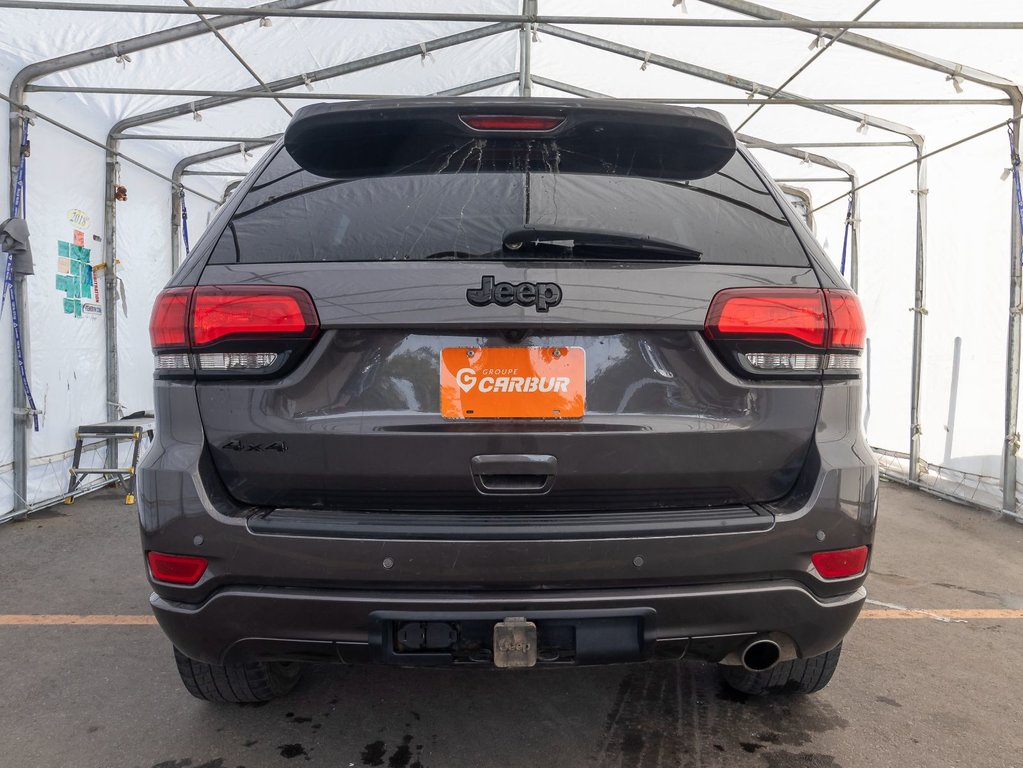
x: 527, y: 24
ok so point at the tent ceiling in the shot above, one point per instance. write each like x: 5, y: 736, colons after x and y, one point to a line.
x: 196, y: 96
x: 293, y: 46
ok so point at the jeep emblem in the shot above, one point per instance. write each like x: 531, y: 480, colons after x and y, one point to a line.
x: 541, y: 295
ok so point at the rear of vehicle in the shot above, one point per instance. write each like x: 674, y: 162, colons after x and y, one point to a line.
x: 506, y: 383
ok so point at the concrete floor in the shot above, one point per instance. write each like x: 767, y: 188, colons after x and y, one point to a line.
x: 909, y: 691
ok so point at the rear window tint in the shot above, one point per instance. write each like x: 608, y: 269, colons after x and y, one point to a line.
x: 290, y: 215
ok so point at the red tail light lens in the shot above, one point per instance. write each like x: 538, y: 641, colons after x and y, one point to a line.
x: 794, y: 313
x: 231, y: 328
x: 176, y: 569
x: 512, y: 122
x: 232, y: 311
x: 840, y: 563
x: 848, y: 328
x: 788, y: 331
x: 168, y: 325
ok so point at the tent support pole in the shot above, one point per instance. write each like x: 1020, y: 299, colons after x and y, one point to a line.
x: 854, y: 235
x: 39, y: 69
x: 722, y: 78
x: 321, y: 96
x: 1012, y: 365
x: 19, y: 84
x: 22, y: 416
x: 529, y: 10
x: 182, y: 166
x: 175, y: 224
x: 327, y: 73
x: 179, y: 171
x: 110, y: 291
x: 851, y: 177
x: 919, y: 310
x: 826, y: 25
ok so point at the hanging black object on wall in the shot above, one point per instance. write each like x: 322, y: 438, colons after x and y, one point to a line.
x: 14, y: 240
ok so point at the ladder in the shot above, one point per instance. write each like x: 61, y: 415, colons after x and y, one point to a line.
x: 132, y: 429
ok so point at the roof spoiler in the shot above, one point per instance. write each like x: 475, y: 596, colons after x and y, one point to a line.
x: 602, y: 136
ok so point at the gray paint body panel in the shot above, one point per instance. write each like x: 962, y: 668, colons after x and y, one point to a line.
x: 432, y: 294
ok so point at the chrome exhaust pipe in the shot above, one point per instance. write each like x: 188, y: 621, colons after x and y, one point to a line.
x: 760, y: 655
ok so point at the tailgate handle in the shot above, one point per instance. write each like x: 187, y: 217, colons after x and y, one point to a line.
x: 513, y: 473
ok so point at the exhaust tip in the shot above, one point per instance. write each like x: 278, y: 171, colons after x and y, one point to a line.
x: 761, y: 655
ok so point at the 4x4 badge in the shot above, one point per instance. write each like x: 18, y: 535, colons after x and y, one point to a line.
x: 541, y: 295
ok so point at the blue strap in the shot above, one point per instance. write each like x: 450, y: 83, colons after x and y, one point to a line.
x: 184, y: 220
x: 845, y: 237
x: 17, y: 205
x: 1014, y: 158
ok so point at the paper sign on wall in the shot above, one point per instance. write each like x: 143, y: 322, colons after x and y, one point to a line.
x: 75, y: 277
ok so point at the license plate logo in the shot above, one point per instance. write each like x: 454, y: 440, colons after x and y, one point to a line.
x: 513, y: 383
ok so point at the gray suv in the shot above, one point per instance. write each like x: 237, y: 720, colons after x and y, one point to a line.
x: 506, y: 383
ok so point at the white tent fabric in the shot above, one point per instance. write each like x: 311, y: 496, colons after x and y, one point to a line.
x: 961, y: 422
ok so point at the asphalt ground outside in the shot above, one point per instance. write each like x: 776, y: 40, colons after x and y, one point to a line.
x: 940, y: 684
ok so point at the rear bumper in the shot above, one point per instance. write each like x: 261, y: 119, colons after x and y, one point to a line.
x: 704, y: 583
x: 709, y: 622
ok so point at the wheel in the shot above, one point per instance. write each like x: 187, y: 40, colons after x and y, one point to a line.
x: 237, y: 683
x: 798, y: 676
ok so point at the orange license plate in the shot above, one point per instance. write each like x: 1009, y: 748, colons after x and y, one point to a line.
x: 513, y: 383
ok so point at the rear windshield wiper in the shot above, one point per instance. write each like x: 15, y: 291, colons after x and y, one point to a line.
x: 515, y: 239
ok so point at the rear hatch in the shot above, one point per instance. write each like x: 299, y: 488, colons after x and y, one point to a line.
x: 507, y: 309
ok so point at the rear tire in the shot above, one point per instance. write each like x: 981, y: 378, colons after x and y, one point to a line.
x: 797, y: 676
x: 237, y: 683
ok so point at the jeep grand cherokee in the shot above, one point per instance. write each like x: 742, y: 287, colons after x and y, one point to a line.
x: 506, y: 383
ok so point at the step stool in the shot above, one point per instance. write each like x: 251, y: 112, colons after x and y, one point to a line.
x: 133, y: 429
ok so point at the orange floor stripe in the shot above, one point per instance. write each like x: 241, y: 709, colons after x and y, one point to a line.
x: 976, y: 614
x: 103, y: 620
x: 63, y: 619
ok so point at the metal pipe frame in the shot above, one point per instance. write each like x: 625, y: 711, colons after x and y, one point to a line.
x: 110, y: 222
x: 252, y: 13
x: 916, y: 139
x: 761, y: 17
x: 1012, y: 355
x: 851, y: 177
x: 234, y: 52
x: 1012, y: 365
x: 327, y: 73
x: 185, y: 137
x: 16, y: 99
x: 807, y: 179
x: 214, y: 173
x: 229, y: 189
x: 182, y: 167
x: 845, y: 144
x: 703, y: 73
x: 306, y: 96
x: 529, y: 9
x: 750, y: 141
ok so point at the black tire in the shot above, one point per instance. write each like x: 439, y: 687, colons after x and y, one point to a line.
x: 238, y: 683
x: 799, y: 676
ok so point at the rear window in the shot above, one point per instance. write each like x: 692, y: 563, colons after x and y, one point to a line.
x: 463, y: 211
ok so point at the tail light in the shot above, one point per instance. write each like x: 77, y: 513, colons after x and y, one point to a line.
x: 840, y: 563
x: 788, y: 331
x: 511, y: 122
x: 215, y: 329
x: 176, y: 569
